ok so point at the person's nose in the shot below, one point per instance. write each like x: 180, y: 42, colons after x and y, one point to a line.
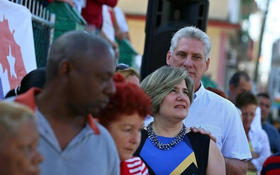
x: 135, y: 138
x: 37, y: 158
x: 187, y: 61
x: 182, y: 96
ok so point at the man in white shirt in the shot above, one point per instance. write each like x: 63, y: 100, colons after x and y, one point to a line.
x: 241, y: 82
x: 260, y: 148
x: 190, y: 49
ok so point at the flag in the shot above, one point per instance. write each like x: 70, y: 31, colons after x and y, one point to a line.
x: 17, y: 54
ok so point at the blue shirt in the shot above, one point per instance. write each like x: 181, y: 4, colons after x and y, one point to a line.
x: 86, y: 154
x: 273, y: 136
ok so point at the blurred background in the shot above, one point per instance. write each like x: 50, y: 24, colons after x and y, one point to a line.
x: 244, y: 34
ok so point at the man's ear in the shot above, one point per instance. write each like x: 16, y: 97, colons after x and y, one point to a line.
x: 168, y: 58
x: 207, y: 63
x: 231, y: 87
x: 64, y: 67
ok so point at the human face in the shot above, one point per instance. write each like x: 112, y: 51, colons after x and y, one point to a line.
x: 175, y: 105
x: 19, y: 156
x: 126, y: 133
x: 91, y: 84
x: 243, y: 86
x: 248, y: 114
x: 264, y: 104
x: 133, y: 79
x: 189, y: 55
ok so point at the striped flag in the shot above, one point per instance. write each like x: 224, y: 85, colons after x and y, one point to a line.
x: 134, y: 166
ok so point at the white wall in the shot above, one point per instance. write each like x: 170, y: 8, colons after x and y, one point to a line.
x: 219, y: 9
x: 137, y: 7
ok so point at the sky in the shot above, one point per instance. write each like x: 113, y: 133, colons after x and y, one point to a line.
x: 271, y: 33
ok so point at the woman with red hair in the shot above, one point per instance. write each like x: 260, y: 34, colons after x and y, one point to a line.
x: 124, y: 119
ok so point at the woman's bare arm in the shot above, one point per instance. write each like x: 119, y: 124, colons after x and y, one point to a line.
x: 216, y: 162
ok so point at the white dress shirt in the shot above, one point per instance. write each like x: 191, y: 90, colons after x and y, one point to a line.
x: 219, y: 116
x: 260, y: 144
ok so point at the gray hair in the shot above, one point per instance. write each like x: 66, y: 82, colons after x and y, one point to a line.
x: 11, y: 116
x: 160, y: 83
x: 194, y: 33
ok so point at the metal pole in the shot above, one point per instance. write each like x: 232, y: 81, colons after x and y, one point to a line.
x: 260, y: 43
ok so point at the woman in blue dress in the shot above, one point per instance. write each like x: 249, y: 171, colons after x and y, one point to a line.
x: 167, y: 146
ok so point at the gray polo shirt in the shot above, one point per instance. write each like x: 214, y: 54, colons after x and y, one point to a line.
x: 87, y: 154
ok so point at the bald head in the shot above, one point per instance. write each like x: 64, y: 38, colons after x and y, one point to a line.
x: 76, y: 46
x: 80, y: 73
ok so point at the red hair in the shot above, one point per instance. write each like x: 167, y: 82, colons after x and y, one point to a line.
x: 128, y: 99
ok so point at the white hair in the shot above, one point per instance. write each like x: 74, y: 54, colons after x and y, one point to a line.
x: 194, y: 33
x: 12, y: 115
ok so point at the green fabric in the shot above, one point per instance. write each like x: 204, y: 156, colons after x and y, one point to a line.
x: 66, y: 18
x: 126, y: 52
x: 207, y: 82
x: 251, y: 172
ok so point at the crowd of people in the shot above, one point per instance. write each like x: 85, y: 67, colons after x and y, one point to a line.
x: 101, y: 17
x: 86, y: 114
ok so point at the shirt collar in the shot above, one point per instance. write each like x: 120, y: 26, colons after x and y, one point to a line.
x: 199, y: 92
x: 47, y: 132
x: 28, y: 98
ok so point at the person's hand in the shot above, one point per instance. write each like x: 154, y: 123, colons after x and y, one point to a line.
x: 202, y: 131
x: 68, y: 1
x: 120, y: 35
x: 254, y: 155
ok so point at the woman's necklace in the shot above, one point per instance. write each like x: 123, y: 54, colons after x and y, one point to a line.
x: 165, y: 146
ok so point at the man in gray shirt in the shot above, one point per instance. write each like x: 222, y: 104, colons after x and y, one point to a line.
x: 79, y: 83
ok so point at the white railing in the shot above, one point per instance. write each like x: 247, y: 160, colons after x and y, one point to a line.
x: 39, y: 13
